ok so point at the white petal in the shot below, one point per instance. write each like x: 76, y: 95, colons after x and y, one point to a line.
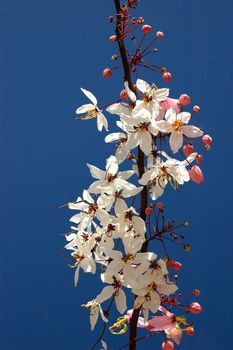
x: 96, y: 173
x: 133, y: 141
x: 120, y: 300
x: 116, y: 136
x: 130, y: 93
x: 87, y: 197
x: 184, y: 116
x: 176, y: 141
x: 161, y: 94
x: 131, y: 192
x: 76, y: 276
x: 84, y: 108
x: 143, y: 86
x: 120, y: 207
x: 164, y: 126
x: 106, y: 293
x: 125, y: 174
x: 112, y: 165
x: 145, y: 142
x: 90, y: 96
x: 94, y: 317
x: 101, y: 122
x: 191, y: 131
x: 118, y: 108
x: 170, y: 116
x: 102, y: 216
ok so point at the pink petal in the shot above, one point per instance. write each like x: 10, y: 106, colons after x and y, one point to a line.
x: 161, y: 323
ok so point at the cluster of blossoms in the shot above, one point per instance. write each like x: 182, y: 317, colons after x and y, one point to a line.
x: 108, y: 230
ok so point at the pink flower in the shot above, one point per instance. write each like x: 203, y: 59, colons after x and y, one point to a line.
x: 140, y: 324
x: 166, y: 104
x: 166, y: 323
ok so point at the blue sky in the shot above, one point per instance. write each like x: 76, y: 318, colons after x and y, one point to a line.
x: 48, y: 50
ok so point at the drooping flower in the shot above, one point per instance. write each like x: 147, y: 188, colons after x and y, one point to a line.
x: 92, y: 111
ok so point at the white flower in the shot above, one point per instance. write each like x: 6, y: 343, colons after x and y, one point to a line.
x: 92, y: 111
x: 139, y: 127
x: 96, y: 309
x: 109, y: 181
x: 114, y: 289
x: 162, y: 172
x: 151, y: 96
x: 176, y: 125
x: 88, y: 210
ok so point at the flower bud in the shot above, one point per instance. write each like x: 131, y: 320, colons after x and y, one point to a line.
x: 148, y: 211
x: 196, y: 174
x: 160, y: 205
x: 177, y: 265
x: 190, y: 331
x: 169, y: 262
x: 185, y: 223
x: 188, y: 149
x: 199, y: 158
x: 184, y: 99
x: 187, y: 247
x: 107, y: 73
x: 159, y: 35
x: 195, y: 308
x: 167, y: 77
x: 196, y: 109
x: 146, y: 29
x: 114, y: 57
x: 113, y: 38
x: 123, y: 95
x: 207, y: 140
x: 196, y: 292
x: 168, y: 345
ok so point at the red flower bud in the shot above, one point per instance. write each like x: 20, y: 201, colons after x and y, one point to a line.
x: 196, y: 292
x: 196, y: 174
x: 207, y: 140
x: 167, y: 77
x: 148, y: 211
x: 199, y: 158
x: 160, y: 205
x: 159, y: 35
x: 188, y: 149
x: 168, y: 345
x: 177, y: 265
x: 123, y: 95
x: 196, y: 109
x: 146, y: 29
x: 190, y: 331
x: 113, y: 38
x: 169, y: 262
x: 184, y: 99
x: 107, y: 73
x: 195, y: 308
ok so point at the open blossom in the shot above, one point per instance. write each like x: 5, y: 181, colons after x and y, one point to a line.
x: 88, y: 210
x: 115, y: 289
x: 95, y: 311
x: 110, y: 181
x: 162, y: 172
x: 150, y: 98
x: 140, y: 127
x: 176, y: 125
x: 92, y: 111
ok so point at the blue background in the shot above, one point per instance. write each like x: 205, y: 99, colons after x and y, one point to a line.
x: 48, y: 50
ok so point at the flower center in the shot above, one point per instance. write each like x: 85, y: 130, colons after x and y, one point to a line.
x: 92, y: 113
x: 177, y: 125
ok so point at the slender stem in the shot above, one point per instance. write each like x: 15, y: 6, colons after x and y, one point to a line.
x: 140, y: 163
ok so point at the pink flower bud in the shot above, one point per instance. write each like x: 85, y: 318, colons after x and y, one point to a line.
x: 190, y: 331
x: 196, y: 174
x: 196, y: 292
x: 167, y: 77
x: 159, y: 35
x: 188, y: 149
x: 196, y: 109
x: 148, y: 211
x: 168, y: 345
x: 146, y: 29
x: 195, y: 308
x: 177, y: 265
x: 207, y: 140
x: 123, y: 95
x: 184, y: 99
x: 107, y: 73
x: 113, y: 38
x: 199, y: 158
